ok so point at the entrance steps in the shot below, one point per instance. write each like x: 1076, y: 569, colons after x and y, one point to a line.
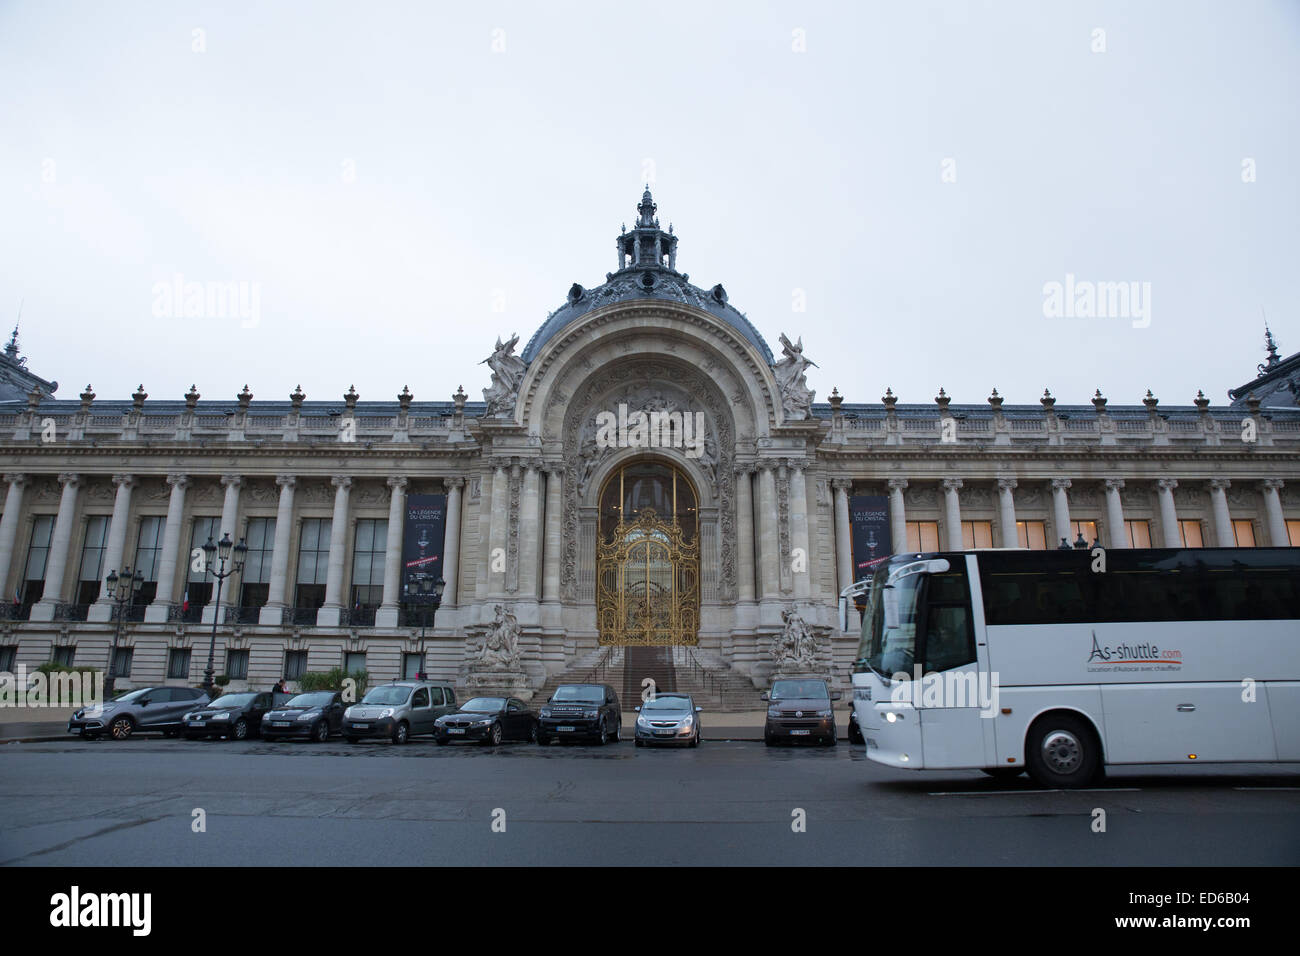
x: 604, y: 665
x: 713, y: 683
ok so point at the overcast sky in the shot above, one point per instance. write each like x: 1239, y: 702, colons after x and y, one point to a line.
x: 400, y: 183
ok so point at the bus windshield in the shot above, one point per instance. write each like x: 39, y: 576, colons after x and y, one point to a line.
x: 888, y: 641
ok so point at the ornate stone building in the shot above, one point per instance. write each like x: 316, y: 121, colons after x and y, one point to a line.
x: 714, y: 516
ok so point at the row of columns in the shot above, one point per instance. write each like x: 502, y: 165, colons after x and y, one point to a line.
x: 758, y: 541
x: 534, y: 569
x: 1224, y: 537
x: 171, y: 559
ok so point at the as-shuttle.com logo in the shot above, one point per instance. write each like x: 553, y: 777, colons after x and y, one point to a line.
x: 76, y: 909
x: 1144, y: 656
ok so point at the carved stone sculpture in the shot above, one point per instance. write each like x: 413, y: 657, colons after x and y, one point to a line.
x: 507, y: 375
x: 500, y: 650
x: 795, y: 649
x: 790, y: 372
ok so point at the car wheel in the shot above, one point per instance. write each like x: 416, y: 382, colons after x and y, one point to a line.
x: 832, y: 740
x: 401, y: 732
x: 240, y: 730
x: 543, y: 739
x: 695, y: 741
x: 769, y: 740
x: 321, y: 732
x: 493, y: 738
x: 855, y: 734
x: 1003, y: 773
x: 1061, y: 751
x: 604, y: 734
x: 532, y: 733
x: 121, y: 727
x: 618, y: 733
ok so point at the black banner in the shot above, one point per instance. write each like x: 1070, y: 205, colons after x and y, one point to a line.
x: 869, y: 521
x: 422, y: 539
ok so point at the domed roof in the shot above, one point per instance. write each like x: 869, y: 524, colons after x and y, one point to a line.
x: 647, y: 270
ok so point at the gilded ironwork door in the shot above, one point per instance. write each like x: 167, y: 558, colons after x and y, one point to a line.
x: 647, y: 584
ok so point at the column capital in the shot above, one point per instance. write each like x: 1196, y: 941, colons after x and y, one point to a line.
x: 286, y: 481
x: 177, y: 480
x: 1061, y: 484
x: 456, y: 482
x: 397, y: 483
x: 842, y: 484
x: 534, y: 464
x: 897, y: 484
x: 1007, y: 484
x: 766, y: 464
x: 16, y: 479
x: 499, y: 464
x: 554, y: 468
x: 1219, y: 484
x: 1271, y: 484
x: 124, y: 480
x: 747, y: 468
x: 1114, y: 484
x: 68, y: 478
x: 232, y: 481
x: 1166, y: 484
x: 342, y: 482
x: 952, y: 484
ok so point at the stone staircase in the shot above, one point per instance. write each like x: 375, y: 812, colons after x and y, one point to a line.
x: 604, y: 665
x: 713, y: 684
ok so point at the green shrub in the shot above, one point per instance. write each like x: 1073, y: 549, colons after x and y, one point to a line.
x: 221, y: 680
x: 333, y: 680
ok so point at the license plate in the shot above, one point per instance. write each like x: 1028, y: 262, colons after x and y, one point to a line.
x: 566, y: 730
x: 360, y: 726
x: 196, y: 723
x: 455, y: 730
x: 800, y: 733
x: 664, y: 733
x: 279, y: 723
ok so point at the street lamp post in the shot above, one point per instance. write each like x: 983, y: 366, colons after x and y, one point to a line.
x: 122, y: 590
x: 427, y: 594
x: 221, y: 552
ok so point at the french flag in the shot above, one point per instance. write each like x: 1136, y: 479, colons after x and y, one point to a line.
x: 185, y: 602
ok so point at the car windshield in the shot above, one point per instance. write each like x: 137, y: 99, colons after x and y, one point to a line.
x: 485, y: 705
x: 133, y: 695
x: 310, y: 700
x: 387, y: 695
x: 790, y: 689
x: 580, y: 694
x: 234, y: 700
x: 668, y: 705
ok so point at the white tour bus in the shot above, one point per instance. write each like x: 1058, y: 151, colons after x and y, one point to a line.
x: 1061, y: 662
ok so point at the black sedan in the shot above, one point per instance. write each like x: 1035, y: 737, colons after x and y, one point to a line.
x: 488, y: 720
x: 313, y: 716
x: 231, y: 715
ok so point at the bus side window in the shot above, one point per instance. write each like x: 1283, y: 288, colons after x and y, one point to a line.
x: 948, y: 639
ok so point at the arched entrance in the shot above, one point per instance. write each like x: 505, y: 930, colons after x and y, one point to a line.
x: 648, y: 557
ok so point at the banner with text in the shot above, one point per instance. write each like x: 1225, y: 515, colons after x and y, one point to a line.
x: 869, y: 521
x: 422, y: 540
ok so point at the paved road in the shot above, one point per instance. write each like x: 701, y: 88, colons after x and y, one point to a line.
x: 77, y: 803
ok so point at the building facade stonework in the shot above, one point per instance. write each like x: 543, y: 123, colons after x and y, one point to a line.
x: 758, y: 507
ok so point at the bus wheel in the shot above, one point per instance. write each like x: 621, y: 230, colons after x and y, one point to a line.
x: 1062, y: 751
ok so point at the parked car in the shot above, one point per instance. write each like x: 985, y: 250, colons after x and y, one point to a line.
x: 398, y: 711
x: 581, y: 710
x: 149, y: 708
x: 231, y: 715
x: 669, y: 719
x: 488, y: 720
x: 314, y: 716
x: 800, y: 708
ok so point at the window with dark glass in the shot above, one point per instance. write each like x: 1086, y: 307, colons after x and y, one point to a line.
x: 295, y: 664
x: 121, y: 666
x: 368, y: 553
x: 64, y: 655
x: 148, y: 553
x: 237, y: 664
x: 37, y: 554
x: 198, y: 582
x: 91, y: 570
x: 254, y: 581
x: 313, y: 562
x: 178, y: 663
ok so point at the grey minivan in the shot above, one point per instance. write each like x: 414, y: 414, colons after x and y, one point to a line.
x: 149, y: 708
x: 398, y: 711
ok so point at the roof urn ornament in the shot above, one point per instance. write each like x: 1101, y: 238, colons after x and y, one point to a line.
x: 191, y: 398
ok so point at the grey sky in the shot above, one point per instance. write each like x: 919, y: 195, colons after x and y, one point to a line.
x: 491, y: 180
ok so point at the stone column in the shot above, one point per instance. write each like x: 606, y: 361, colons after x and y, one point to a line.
x: 1270, y: 487
x: 1115, y: 514
x: 386, y: 615
x: 799, y: 531
x: 769, y: 538
x: 56, y: 562
x: 1168, y: 513
x: 1061, y: 512
x: 897, y: 516
x: 278, y: 588
x: 330, y: 612
x: 551, y: 555
x: 1007, y: 512
x: 952, y: 513
x: 845, y: 571
x: 9, y: 529
x: 1222, y: 519
x: 500, y: 521
x: 159, y: 609
x: 114, y: 547
x: 229, y: 526
x: 451, y: 541
x: 530, y: 531
x: 744, y: 534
